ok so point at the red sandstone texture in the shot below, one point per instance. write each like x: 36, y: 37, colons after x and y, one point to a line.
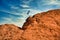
x: 42, y: 26
x: 10, y: 32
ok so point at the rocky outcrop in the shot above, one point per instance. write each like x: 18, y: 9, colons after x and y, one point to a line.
x: 10, y: 32
x: 42, y: 26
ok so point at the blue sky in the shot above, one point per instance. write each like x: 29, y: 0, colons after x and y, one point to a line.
x: 15, y: 11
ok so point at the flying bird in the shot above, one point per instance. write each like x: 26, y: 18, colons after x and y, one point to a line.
x: 28, y: 12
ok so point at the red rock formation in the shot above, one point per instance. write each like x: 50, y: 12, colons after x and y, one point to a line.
x: 42, y: 26
x: 10, y: 32
x: 45, y: 26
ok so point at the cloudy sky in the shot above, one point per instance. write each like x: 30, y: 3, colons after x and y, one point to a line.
x: 15, y: 11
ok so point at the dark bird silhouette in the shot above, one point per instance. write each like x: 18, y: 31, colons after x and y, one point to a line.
x: 28, y: 12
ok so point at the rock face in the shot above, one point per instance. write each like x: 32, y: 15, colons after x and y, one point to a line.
x: 10, y: 32
x: 42, y: 26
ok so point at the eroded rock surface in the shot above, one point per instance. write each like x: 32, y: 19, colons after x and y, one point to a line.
x: 42, y: 26
x: 10, y: 32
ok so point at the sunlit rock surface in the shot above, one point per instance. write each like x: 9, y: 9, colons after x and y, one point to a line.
x: 42, y: 26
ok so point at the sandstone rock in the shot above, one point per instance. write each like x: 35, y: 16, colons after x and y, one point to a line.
x: 45, y: 26
x: 10, y: 32
x: 42, y: 26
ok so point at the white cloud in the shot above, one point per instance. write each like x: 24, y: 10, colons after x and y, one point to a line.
x: 11, y: 12
x: 24, y: 6
x: 54, y: 2
x: 51, y: 2
x: 5, y: 11
x: 13, y: 7
x: 27, y: 2
x: 34, y: 11
x: 18, y: 23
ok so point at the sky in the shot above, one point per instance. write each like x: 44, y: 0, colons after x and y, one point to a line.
x: 15, y: 11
